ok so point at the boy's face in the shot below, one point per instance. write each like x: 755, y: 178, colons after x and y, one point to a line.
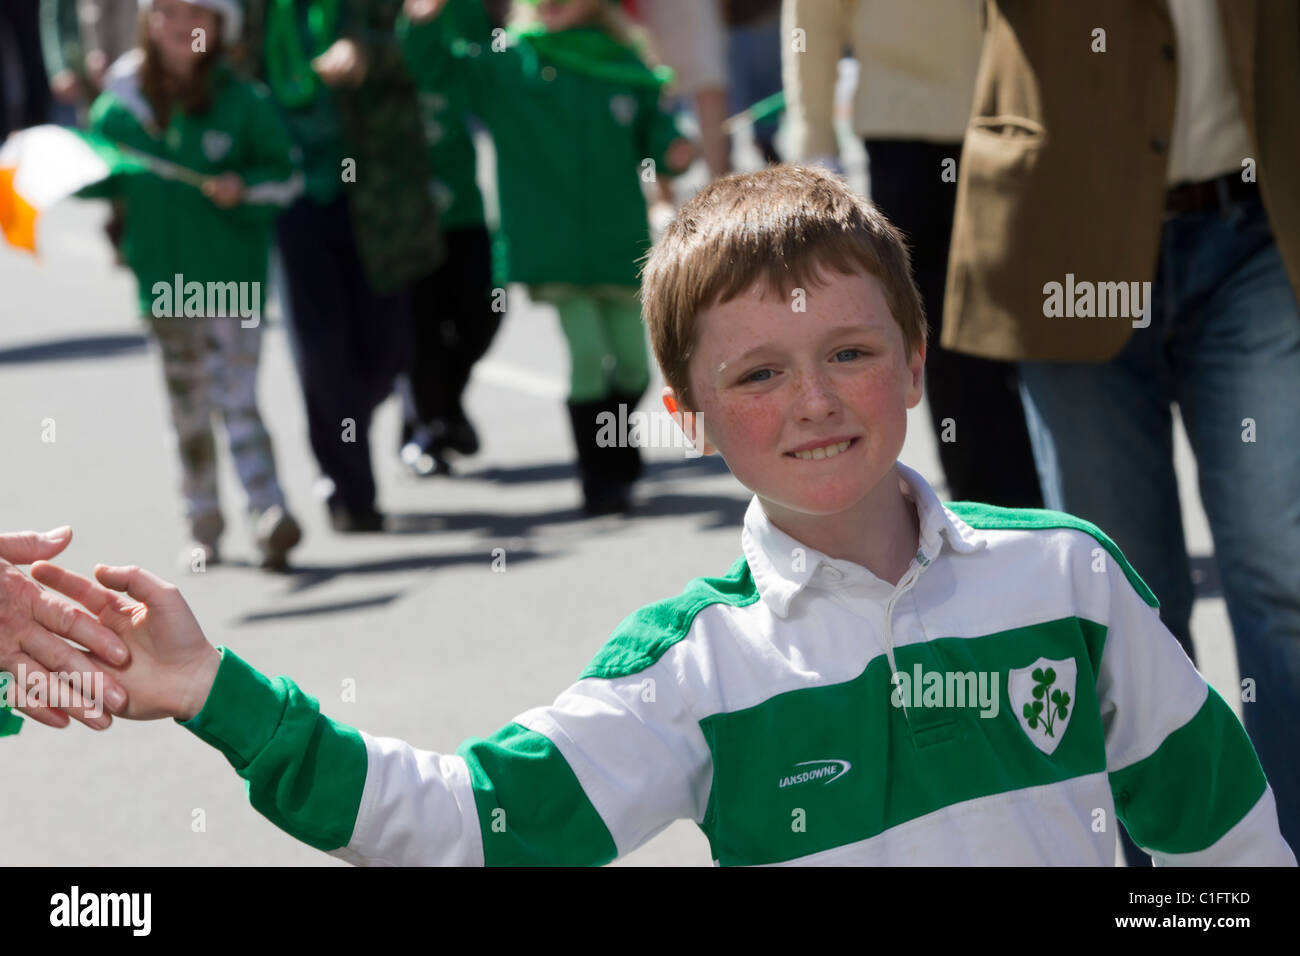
x: 769, y: 381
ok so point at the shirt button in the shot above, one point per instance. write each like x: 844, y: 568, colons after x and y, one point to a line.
x: 548, y: 73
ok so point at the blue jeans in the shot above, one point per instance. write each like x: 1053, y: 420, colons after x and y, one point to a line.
x: 754, y: 72
x: 1224, y: 343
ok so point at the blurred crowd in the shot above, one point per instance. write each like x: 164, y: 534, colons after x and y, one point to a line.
x: 1026, y: 150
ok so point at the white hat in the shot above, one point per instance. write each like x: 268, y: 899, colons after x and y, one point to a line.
x: 232, y: 16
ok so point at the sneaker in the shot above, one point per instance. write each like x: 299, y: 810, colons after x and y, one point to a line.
x: 276, y: 534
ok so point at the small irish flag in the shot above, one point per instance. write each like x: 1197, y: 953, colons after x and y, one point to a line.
x: 43, y: 164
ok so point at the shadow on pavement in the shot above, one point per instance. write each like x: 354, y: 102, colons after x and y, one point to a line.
x: 305, y: 576
x: 725, y: 511
x: 81, y: 347
x: 704, y: 466
x: 333, y: 608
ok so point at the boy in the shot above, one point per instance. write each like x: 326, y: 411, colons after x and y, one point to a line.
x: 878, y: 679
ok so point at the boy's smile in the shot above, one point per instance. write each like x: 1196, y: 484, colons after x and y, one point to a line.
x: 809, y: 410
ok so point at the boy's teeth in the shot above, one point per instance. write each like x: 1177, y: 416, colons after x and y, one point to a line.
x: 826, y: 451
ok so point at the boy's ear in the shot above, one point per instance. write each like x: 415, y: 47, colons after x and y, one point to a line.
x: 688, y: 421
x: 916, y: 369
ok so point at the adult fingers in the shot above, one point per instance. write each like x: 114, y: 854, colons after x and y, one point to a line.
x: 62, y: 661
x: 109, y: 606
x: 142, y: 585
x: 50, y: 716
x: 24, y: 547
x: 40, y: 693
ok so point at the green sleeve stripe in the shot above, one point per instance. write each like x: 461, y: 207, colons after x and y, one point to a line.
x: 646, y: 634
x: 979, y: 515
x: 1207, y: 769
x: 305, y: 772
x: 531, y: 809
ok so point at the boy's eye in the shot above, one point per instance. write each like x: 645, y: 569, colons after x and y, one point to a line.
x: 852, y: 353
x: 751, y: 376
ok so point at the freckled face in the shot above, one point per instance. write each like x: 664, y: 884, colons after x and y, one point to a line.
x: 809, y: 409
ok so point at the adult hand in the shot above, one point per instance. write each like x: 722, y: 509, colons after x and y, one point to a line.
x: 172, y: 663
x: 343, y: 64
x: 681, y: 153
x: 32, y: 625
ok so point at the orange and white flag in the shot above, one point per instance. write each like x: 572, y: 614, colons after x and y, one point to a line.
x: 44, y: 164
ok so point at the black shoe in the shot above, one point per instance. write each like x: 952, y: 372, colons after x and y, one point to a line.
x: 356, y: 522
x: 462, y: 438
x: 612, y: 499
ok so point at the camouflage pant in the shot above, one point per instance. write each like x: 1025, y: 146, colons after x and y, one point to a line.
x: 210, y: 365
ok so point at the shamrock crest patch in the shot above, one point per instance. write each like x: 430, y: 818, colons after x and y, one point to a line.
x: 1042, y: 698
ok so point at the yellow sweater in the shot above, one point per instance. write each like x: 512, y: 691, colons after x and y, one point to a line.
x: 917, y: 62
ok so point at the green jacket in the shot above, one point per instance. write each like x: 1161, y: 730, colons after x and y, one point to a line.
x: 171, y: 227
x: 570, y: 150
x: 377, y: 125
x: 453, y: 159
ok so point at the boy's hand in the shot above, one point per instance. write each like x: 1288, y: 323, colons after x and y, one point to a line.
x: 343, y: 64
x: 418, y: 11
x: 225, y: 191
x: 172, y: 664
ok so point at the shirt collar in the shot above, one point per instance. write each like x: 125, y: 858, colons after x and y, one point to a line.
x: 782, y: 566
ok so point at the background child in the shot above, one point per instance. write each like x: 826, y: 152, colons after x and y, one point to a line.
x: 574, y: 113
x: 183, y: 105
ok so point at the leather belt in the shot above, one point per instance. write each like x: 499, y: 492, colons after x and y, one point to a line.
x: 1210, y: 194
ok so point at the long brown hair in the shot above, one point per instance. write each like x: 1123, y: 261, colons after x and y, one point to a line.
x: 193, y: 96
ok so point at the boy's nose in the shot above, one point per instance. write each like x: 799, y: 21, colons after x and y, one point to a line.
x: 815, y: 396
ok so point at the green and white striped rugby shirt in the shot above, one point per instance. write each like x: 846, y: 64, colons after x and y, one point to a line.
x: 1012, y: 696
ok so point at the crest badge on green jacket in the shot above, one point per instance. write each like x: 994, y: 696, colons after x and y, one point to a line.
x: 216, y: 145
x: 1042, y: 698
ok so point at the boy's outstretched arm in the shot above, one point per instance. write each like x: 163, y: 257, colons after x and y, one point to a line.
x: 1187, y: 783
x: 592, y: 776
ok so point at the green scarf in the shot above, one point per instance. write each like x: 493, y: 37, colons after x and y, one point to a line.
x: 288, y: 66
x: 592, y: 52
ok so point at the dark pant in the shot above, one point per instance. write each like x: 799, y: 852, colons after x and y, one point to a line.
x: 454, y: 325
x: 975, y: 405
x: 349, y: 343
x: 20, y: 20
